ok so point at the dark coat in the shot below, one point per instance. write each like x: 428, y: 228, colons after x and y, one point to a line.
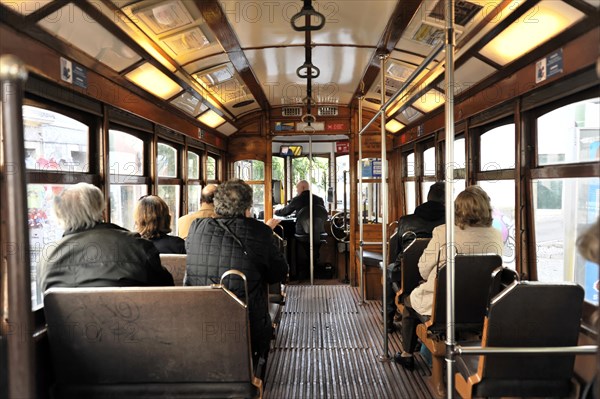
x: 211, y: 251
x: 427, y: 216
x: 297, y: 203
x: 104, y: 256
x: 167, y: 244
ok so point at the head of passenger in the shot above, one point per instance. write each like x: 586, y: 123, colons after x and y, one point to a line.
x: 79, y: 207
x: 152, y: 217
x: 588, y: 243
x: 208, y: 194
x: 473, y: 207
x: 437, y: 192
x: 301, y: 186
x: 233, y: 199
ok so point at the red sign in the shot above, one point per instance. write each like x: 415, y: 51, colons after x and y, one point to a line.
x: 335, y: 126
x: 342, y: 147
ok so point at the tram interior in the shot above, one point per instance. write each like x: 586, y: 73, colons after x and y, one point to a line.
x: 166, y: 97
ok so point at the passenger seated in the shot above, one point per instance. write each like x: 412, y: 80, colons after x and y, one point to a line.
x: 92, y: 253
x: 207, y: 210
x: 235, y: 240
x: 428, y: 215
x: 153, y: 222
x: 473, y: 235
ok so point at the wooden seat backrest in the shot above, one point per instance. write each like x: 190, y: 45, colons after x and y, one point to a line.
x: 473, y: 279
x: 533, y: 314
x: 155, y: 336
x: 410, y: 276
x: 175, y: 264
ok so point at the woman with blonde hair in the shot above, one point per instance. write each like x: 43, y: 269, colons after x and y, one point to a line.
x: 473, y: 235
x: 153, y: 222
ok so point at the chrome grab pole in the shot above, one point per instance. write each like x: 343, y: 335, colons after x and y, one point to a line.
x: 17, y: 317
x: 384, y: 204
x: 450, y: 254
x: 551, y: 350
x: 310, y: 209
x: 360, y: 207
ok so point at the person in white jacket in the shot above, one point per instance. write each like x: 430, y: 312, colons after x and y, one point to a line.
x: 473, y: 235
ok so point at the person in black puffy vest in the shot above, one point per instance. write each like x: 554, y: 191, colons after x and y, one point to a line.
x: 234, y: 240
x: 427, y: 216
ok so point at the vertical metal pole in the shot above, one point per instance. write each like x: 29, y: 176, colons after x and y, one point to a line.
x: 384, y: 206
x: 18, y: 323
x: 360, y: 204
x: 449, y: 110
x: 310, y: 209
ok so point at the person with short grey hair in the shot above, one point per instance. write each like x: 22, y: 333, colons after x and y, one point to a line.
x: 234, y: 240
x: 92, y: 253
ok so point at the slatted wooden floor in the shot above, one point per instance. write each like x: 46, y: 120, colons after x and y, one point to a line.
x: 327, y: 346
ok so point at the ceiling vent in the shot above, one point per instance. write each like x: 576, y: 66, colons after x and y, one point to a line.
x: 291, y: 111
x: 327, y: 110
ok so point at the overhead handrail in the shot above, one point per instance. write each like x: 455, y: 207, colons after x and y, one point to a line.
x: 436, y: 50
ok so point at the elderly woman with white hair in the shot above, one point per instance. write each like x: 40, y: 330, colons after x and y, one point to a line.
x: 92, y: 253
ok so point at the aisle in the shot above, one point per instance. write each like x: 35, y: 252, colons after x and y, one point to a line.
x: 327, y: 347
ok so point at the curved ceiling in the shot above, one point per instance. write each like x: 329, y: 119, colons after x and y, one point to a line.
x: 219, y: 60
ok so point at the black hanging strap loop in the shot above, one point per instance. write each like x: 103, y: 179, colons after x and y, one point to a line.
x: 308, y: 11
x: 310, y: 68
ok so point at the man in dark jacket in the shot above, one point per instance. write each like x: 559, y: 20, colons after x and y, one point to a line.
x: 234, y: 240
x: 427, y: 216
x: 96, y: 254
x: 300, y: 201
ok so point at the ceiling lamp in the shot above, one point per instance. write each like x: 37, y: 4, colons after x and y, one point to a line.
x: 549, y: 19
x: 211, y: 119
x: 149, y: 78
x: 393, y: 126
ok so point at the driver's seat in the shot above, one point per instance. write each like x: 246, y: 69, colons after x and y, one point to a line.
x: 302, y: 235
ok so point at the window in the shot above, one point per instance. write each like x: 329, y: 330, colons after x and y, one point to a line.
x: 496, y: 177
x: 169, y: 186
x: 211, y: 168
x: 429, y: 162
x: 166, y: 161
x: 126, y: 167
x: 253, y: 173
x: 575, y: 207
x: 54, y: 142
x: 319, y: 177
x: 569, y: 134
x: 497, y: 148
x: 369, y: 200
x: 342, y: 164
x: 57, y: 143
x: 566, y: 200
x: 502, y: 195
x: 194, y: 186
x: 410, y: 191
